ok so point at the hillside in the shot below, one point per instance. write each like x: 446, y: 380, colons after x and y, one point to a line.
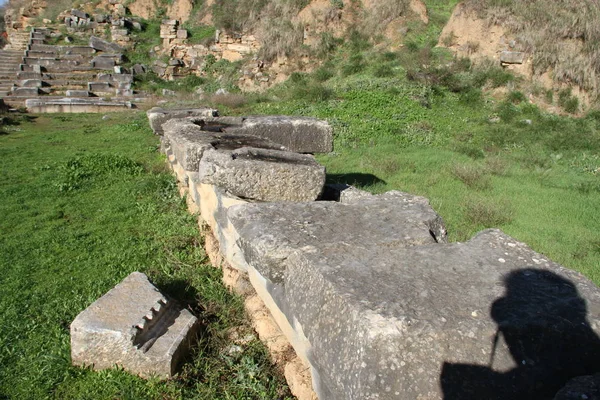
x: 555, y: 66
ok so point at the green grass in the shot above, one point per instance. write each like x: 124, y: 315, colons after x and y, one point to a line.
x: 85, y: 202
x: 428, y: 128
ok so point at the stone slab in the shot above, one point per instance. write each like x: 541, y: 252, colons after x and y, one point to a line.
x: 512, y: 57
x: 25, y: 91
x: 102, y: 45
x: 188, y: 142
x: 77, y: 93
x: 99, y: 87
x: 298, y: 134
x: 263, y: 175
x: 270, y: 233
x: 158, y: 116
x: 489, y: 318
x: 106, y: 63
x: 133, y: 326
x: 74, y: 105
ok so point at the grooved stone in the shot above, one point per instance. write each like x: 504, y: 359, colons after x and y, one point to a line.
x: 298, y: 134
x: 263, y: 175
x: 158, y: 116
x: 133, y: 326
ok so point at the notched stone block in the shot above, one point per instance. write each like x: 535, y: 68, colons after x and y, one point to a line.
x: 264, y: 175
x: 133, y: 326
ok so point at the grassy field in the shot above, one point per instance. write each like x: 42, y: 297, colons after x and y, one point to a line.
x: 418, y: 121
x: 85, y: 202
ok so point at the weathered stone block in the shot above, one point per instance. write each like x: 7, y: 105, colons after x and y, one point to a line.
x: 264, y: 175
x: 189, y: 141
x: 512, y: 57
x: 79, y: 13
x: 158, y: 116
x: 99, y: 87
x: 106, y: 63
x: 103, y: 45
x: 182, y: 34
x: 269, y: 233
x: 25, y: 91
x: 401, y: 318
x: 133, y: 326
x: 298, y: 134
x: 77, y: 93
x: 31, y: 83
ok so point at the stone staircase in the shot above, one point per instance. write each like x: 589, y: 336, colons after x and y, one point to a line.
x: 18, y: 40
x: 10, y: 61
x: 49, y: 73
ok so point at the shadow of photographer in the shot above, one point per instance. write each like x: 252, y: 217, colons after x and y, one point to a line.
x: 543, y: 322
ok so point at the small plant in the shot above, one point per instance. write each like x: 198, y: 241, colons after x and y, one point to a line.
x: 473, y: 176
x: 338, y: 4
x: 516, y: 97
x: 487, y: 213
x: 449, y: 40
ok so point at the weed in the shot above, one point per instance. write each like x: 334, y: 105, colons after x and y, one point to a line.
x: 486, y: 213
x: 474, y: 176
x: 516, y: 97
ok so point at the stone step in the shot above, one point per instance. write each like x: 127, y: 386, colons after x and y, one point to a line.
x: 86, y: 50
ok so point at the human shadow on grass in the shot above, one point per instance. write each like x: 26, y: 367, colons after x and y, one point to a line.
x: 542, y: 319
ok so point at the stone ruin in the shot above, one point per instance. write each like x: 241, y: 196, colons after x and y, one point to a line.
x: 374, y: 301
x: 133, y: 326
x: 67, y: 78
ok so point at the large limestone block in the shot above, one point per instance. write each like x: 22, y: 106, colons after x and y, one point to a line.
x: 133, y: 326
x: 270, y: 233
x: 264, y: 175
x: 158, y: 116
x: 398, y: 317
x: 188, y: 141
x: 298, y: 134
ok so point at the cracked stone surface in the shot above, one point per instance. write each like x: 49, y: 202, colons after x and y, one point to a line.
x: 269, y: 233
x: 188, y: 142
x: 263, y: 175
x: 391, y: 313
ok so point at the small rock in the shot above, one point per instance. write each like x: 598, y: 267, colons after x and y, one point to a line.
x: 168, y: 92
x: 222, y: 91
x: 105, y: 117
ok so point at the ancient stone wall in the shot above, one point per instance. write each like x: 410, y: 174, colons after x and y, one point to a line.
x: 365, y: 288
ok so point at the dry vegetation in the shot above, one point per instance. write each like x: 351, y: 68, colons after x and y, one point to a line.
x: 563, y: 36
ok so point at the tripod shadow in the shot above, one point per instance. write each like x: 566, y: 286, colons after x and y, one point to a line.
x: 543, y: 322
